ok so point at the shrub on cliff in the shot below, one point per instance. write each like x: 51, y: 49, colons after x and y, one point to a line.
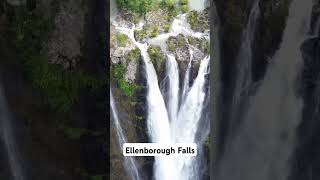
x: 138, y: 6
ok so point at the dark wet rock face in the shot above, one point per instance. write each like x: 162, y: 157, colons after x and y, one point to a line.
x: 307, y: 159
x: 55, y: 144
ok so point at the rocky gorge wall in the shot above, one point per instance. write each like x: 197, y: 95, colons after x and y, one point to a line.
x: 53, y: 70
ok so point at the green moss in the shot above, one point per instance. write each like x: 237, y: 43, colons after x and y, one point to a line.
x: 184, y: 5
x: 156, y: 55
x: 122, y: 39
x: 158, y: 58
x: 147, y: 31
x: 202, y: 44
x: 193, y: 18
x: 140, y: 34
x: 134, y: 55
x: 170, y: 44
x: 167, y: 27
x: 206, y: 47
x: 167, y: 4
x: 184, y: 8
x: 198, y: 22
x: 181, y: 41
x: 155, y: 32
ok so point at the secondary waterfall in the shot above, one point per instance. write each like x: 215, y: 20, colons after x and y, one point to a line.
x: 244, y: 64
x: 266, y: 138
x: 8, y: 139
x: 130, y: 163
x: 174, y: 121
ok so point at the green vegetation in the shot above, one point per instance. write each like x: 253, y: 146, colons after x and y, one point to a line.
x: 157, y: 57
x: 155, y: 32
x: 134, y: 55
x: 137, y: 6
x: 167, y: 27
x: 122, y: 39
x: 176, y: 42
x: 146, y: 32
x: 202, y: 44
x: 184, y: 6
x: 118, y: 72
x: 156, y: 54
x: 197, y: 21
x: 29, y: 31
x: 167, y: 4
x: 61, y: 87
x: 170, y: 44
x: 140, y: 34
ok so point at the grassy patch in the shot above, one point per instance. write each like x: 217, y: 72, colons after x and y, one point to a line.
x: 122, y: 39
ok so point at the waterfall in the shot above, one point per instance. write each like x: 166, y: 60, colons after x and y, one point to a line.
x: 244, y: 64
x: 173, y: 74
x: 8, y: 139
x: 264, y: 143
x: 178, y: 121
x: 130, y: 163
x: 187, y: 77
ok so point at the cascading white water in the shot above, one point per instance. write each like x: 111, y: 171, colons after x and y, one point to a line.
x: 187, y: 77
x: 130, y: 163
x: 244, y: 62
x: 266, y: 138
x: 173, y: 75
x: 173, y: 124
x: 8, y: 139
x: 185, y: 125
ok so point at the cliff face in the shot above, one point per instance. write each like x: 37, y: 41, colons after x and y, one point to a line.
x: 53, y: 69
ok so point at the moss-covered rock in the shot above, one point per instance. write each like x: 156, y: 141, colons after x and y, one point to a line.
x: 179, y: 46
x: 200, y: 43
x: 199, y: 21
x: 124, y: 73
x: 158, y: 59
x: 147, y: 31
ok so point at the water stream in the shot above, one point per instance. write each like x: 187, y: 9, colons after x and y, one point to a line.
x: 266, y: 138
x: 7, y: 136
